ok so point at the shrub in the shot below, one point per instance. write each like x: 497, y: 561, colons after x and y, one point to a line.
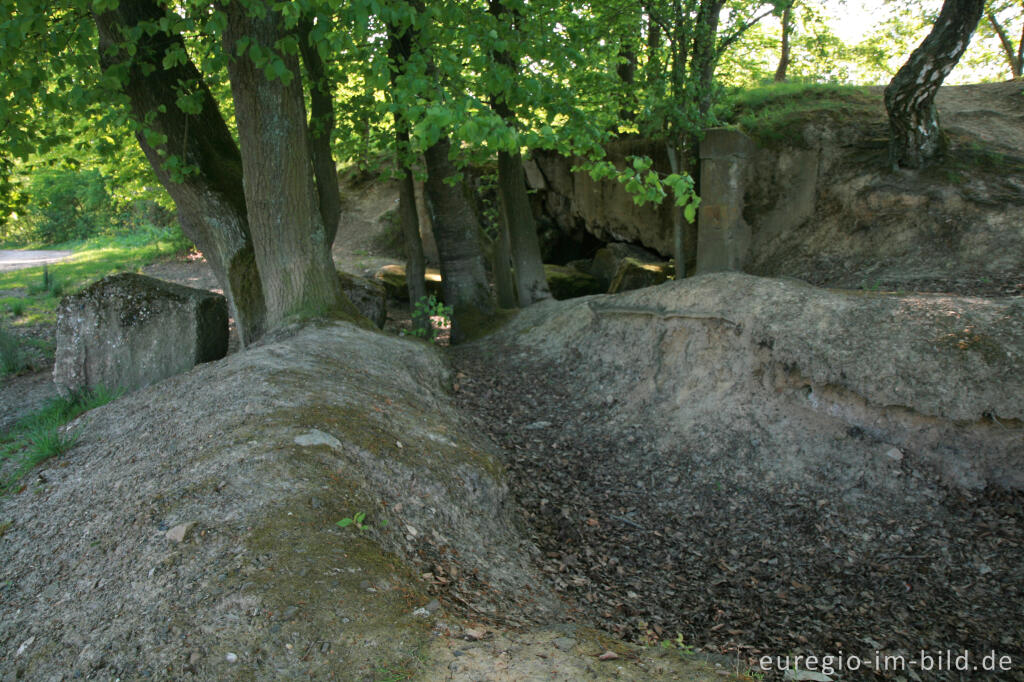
x: 13, y: 358
x: 64, y: 205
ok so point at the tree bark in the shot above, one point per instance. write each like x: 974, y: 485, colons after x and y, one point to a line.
x: 531, y: 280
x: 400, y: 43
x: 210, y: 199
x: 291, y: 244
x: 787, y: 28
x: 501, y: 259
x: 705, y: 55
x: 915, y: 137
x: 321, y: 126
x: 415, y: 264
x: 464, y: 277
x: 1014, y: 58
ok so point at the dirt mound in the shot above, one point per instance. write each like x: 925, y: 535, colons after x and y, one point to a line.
x: 191, y: 532
x: 767, y: 467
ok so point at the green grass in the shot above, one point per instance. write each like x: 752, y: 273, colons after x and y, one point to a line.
x: 93, y: 259
x: 40, y: 436
x: 776, y: 114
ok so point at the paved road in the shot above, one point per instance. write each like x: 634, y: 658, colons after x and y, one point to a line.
x: 16, y: 260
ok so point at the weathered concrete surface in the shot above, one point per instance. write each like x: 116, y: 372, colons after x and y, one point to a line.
x: 128, y: 331
x: 790, y: 382
x: 264, y: 452
x: 723, y: 236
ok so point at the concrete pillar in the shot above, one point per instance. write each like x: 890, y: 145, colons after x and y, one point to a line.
x: 723, y: 237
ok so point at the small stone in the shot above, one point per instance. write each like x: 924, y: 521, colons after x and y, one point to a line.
x: 24, y: 645
x: 421, y: 613
x: 231, y: 658
x: 290, y: 612
x: 325, y: 648
x: 194, y: 658
x: 894, y: 454
x: 564, y: 643
x: 180, y: 532
x: 316, y: 503
x: 608, y: 656
x: 536, y: 426
x: 432, y: 605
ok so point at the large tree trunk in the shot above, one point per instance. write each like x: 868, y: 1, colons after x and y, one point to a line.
x: 910, y: 96
x: 787, y: 29
x: 210, y: 199
x: 458, y: 243
x: 291, y: 243
x: 321, y: 125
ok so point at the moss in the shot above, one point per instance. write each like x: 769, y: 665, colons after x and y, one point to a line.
x: 321, y: 585
x: 478, y: 326
x: 777, y: 115
x: 566, y: 282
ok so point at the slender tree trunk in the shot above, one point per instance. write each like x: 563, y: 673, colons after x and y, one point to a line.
x: 400, y: 42
x: 458, y: 243
x: 531, y: 281
x: 211, y: 200
x: 652, y: 69
x: 1013, y: 58
x: 292, y: 246
x: 678, y: 220
x: 787, y: 28
x: 415, y: 263
x: 705, y: 55
x: 321, y: 125
x: 915, y: 137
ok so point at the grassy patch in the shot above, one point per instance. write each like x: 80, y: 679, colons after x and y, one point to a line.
x: 40, y: 435
x: 775, y: 115
x: 93, y: 259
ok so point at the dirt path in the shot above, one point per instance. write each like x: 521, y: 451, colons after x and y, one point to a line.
x: 17, y: 260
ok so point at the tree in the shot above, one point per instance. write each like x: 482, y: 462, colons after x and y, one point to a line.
x: 997, y: 17
x: 915, y: 137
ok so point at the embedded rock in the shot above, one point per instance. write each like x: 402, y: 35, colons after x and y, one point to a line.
x: 368, y: 296
x: 394, y: 281
x: 127, y: 331
x: 566, y: 282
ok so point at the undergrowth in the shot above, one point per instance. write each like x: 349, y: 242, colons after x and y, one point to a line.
x: 775, y: 115
x: 41, y: 435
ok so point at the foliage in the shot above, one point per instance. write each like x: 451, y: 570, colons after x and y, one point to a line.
x: 41, y: 435
x: 429, y: 308
x: 13, y: 358
x: 359, y: 521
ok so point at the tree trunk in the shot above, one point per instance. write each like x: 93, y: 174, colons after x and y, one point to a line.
x: 415, y: 264
x: 321, y: 125
x: 705, y: 55
x: 292, y: 246
x: 501, y: 259
x: 458, y: 243
x: 678, y: 220
x: 1014, y: 59
x: 400, y: 43
x: 787, y: 28
x: 211, y: 199
x: 531, y: 281
x: 915, y: 137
